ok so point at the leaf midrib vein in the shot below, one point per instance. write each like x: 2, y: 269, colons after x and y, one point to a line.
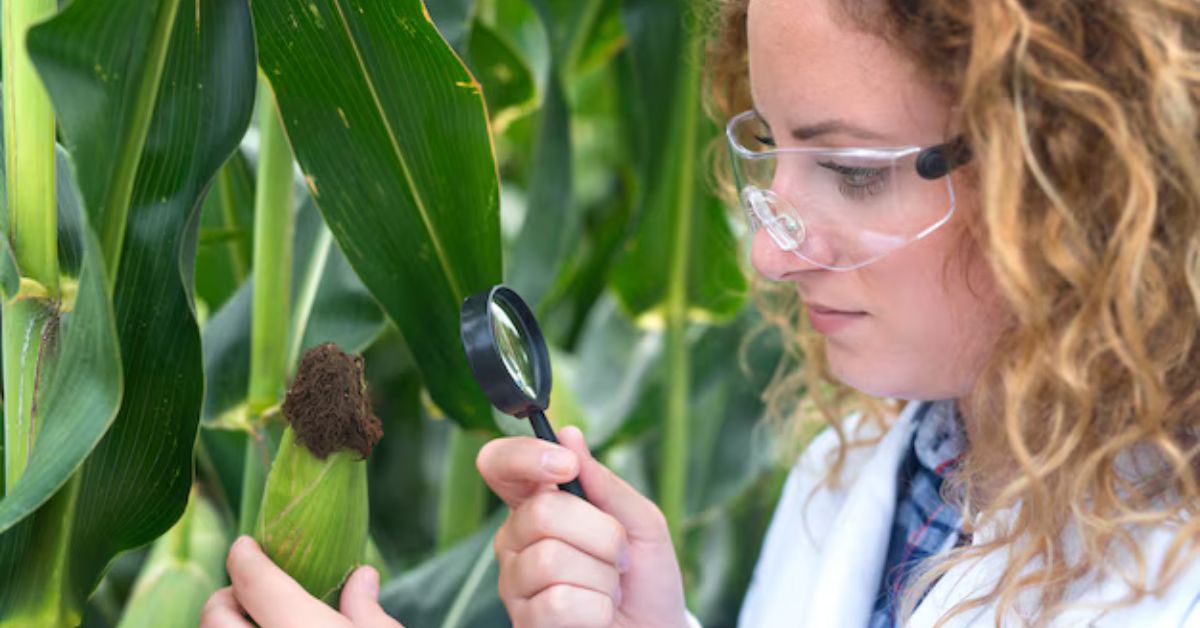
x: 408, y: 177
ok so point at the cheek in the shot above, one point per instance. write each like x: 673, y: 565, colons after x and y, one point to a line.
x: 929, y: 333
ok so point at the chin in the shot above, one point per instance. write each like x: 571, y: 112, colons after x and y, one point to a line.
x: 873, y: 382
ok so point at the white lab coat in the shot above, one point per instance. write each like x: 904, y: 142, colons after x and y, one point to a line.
x: 822, y: 558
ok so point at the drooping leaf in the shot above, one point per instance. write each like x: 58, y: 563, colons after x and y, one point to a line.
x: 520, y: 24
x: 729, y: 442
x: 226, y: 347
x: 93, y: 59
x: 391, y: 132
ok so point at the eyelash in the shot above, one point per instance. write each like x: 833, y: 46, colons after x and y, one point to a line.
x: 877, y: 177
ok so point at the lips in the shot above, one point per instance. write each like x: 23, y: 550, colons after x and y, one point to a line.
x: 824, y: 309
x: 828, y: 321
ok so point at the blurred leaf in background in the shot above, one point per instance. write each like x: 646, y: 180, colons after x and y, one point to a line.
x: 185, y: 566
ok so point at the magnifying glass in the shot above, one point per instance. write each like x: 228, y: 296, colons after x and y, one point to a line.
x: 508, y: 357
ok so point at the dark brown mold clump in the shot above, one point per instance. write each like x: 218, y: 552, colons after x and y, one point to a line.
x: 328, y: 405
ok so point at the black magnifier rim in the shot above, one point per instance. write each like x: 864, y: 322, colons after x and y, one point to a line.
x: 483, y: 355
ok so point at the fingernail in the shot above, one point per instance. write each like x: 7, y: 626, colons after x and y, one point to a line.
x: 556, y: 461
x: 623, y: 559
x: 246, y: 541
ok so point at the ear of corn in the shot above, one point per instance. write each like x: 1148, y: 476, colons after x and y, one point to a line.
x: 313, y: 517
x: 313, y: 520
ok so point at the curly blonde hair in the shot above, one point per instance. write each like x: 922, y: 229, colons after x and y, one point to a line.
x: 1084, y: 119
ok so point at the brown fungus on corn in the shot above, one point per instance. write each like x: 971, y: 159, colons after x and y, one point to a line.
x: 328, y: 406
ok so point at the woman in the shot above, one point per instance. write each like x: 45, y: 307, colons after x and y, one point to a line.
x: 990, y: 210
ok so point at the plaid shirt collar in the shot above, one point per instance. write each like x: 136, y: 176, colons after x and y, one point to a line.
x: 940, y: 439
x: 923, y: 523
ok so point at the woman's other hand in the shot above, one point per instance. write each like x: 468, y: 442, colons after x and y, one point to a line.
x: 567, y: 562
x: 274, y: 600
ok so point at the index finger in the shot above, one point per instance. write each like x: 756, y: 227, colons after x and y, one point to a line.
x: 269, y: 595
x: 517, y: 467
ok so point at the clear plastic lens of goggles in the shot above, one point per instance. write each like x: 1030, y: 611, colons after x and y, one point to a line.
x: 838, y: 208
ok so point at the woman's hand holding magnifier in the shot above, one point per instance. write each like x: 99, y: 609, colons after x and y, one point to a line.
x: 596, y: 552
x: 565, y: 561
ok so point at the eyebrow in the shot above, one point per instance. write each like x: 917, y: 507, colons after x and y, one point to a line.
x: 829, y: 127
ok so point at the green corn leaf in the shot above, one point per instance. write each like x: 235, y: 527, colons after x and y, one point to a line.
x: 391, y: 131
x: 193, y: 121
x: 79, y: 397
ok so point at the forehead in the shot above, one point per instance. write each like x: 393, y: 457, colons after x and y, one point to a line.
x: 807, y: 64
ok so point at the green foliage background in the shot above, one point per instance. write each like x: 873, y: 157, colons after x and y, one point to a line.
x: 556, y: 146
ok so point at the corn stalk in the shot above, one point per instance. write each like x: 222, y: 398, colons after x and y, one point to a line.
x: 31, y: 229
x: 274, y: 223
x: 673, y: 486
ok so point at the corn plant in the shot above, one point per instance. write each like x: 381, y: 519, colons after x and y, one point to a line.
x: 197, y: 195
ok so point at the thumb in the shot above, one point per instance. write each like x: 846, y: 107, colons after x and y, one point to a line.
x: 360, y: 600
x: 641, y: 518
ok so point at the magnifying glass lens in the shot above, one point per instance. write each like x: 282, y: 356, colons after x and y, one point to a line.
x: 513, y: 347
x: 508, y: 357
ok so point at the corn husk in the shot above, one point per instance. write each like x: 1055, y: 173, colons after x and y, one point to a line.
x: 314, y: 515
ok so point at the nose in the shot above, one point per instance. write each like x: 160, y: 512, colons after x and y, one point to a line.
x: 772, y: 262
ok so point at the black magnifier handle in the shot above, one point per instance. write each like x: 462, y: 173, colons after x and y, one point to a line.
x: 541, y: 428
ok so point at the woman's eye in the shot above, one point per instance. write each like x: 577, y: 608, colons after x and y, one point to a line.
x: 858, y: 182
x: 765, y: 138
